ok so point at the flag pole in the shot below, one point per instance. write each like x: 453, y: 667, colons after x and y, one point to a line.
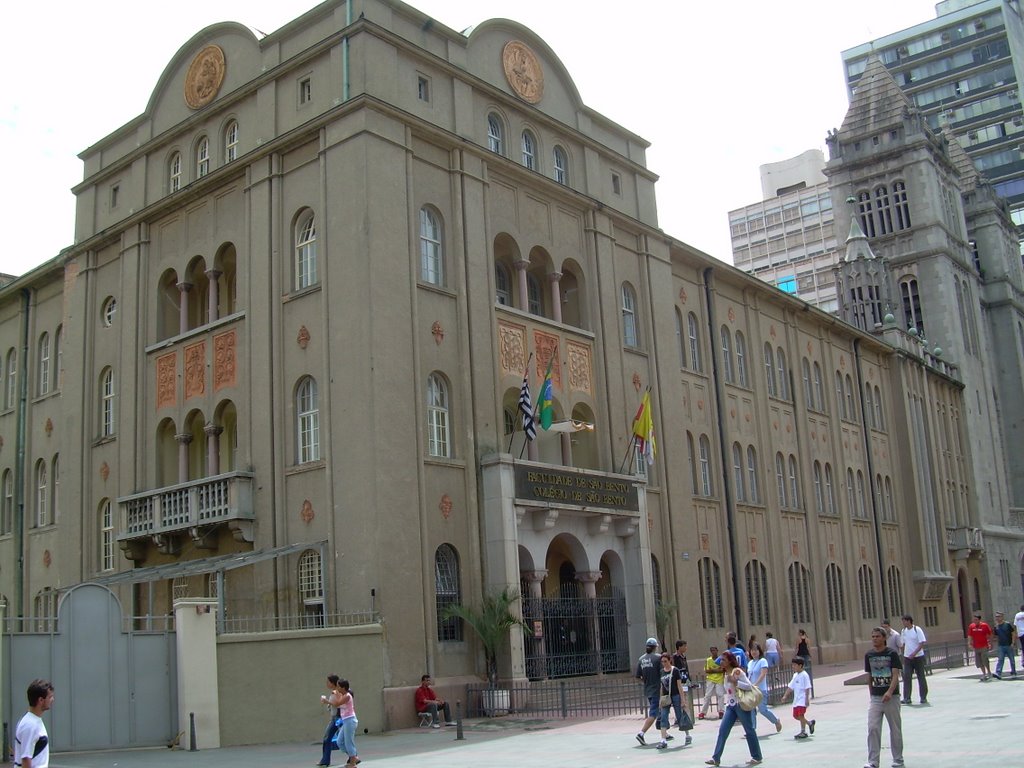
x: 514, y: 420
x: 629, y: 448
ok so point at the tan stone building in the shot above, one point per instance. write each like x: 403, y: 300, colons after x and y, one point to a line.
x: 280, y: 368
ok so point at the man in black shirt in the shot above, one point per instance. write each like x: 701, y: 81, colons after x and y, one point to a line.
x: 648, y: 669
x: 882, y: 664
x: 679, y: 662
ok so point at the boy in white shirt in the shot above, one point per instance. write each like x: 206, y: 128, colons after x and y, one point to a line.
x: 31, y: 745
x: 800, y: 688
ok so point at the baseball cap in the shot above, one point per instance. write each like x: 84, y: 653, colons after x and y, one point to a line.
x: 651, y: 641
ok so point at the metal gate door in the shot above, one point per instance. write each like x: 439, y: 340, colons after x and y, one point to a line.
x: 578, y: 636
x: 115, y: 686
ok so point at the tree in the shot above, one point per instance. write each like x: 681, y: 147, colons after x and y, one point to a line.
x: 491, y: 622
x: 663, y: 613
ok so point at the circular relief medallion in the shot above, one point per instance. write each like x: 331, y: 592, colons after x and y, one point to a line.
x: 204, y: 77
x: 523, y: 71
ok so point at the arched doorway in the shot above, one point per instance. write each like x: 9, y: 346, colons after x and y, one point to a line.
x: 962, y: 594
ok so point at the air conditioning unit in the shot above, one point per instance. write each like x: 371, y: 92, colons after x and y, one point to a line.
x: 902, y: 51
x: 946, y: 37
x: 972, y: 136
x: 1018, y: 121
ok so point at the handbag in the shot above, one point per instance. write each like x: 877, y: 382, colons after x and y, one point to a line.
x: 749, y: 699
x: 665, y: 701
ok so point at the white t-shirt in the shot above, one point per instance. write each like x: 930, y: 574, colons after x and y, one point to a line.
x: 800, y: 685
x: 771, y: 645
x: 913, y: 639
x: 29, y: 733
x: 1019, y: 621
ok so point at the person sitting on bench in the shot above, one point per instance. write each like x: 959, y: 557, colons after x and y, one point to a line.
x: 428, y: 701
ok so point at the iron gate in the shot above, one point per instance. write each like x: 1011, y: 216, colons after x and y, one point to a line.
x: 573, y: 636
x: 115, y: 685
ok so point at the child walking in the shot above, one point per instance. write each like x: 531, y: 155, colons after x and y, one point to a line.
x: 800, y: 688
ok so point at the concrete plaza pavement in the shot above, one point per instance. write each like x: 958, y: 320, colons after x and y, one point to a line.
x: 966, y: 722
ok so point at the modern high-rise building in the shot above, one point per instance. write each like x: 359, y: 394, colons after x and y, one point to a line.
x: 964, y: 69
x: 787, y: 239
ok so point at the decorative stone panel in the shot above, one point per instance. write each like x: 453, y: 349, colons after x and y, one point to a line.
x: 225, y: 363
x: 167, y: 380
x: 195, y: 370
x: 511, y: 348
x: 580, y: 369
x: 546, y: 346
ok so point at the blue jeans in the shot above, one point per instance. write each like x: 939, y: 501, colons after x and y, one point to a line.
x: 773, y: 659
x: 732, y: 714
x: 328, y: 743
x: 763, y: 709
x: 1006, y: 652
x: 348, y: 735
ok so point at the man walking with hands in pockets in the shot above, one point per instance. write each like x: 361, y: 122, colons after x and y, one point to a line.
x: 882, y: 663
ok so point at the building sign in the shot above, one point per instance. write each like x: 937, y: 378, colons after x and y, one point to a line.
x: 565, y: 486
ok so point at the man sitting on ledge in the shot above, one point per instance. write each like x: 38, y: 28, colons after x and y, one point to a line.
x: 428, y: 701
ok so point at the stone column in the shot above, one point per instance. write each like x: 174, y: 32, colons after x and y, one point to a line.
x: 589, y: 581
x: 523, y: 298
x: 214, y: 295
x: 566, y: 438
x: 183, y: 438
x: 538, y: 668
x: 212, y: 448
x: 183, y: 289
x: 556, y: 296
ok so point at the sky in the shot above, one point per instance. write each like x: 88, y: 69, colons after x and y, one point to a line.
x: 718, y: 90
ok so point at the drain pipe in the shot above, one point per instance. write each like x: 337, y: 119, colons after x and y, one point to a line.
x: 344, y: 52
x: 19, y: 465
x: 727, y: 494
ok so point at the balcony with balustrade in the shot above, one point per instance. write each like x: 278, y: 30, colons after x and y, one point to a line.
x: 197, y: 509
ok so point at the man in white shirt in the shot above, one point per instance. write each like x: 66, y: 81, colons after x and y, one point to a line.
x: 1018, y: 620
x: 31, y: 744
x: 914, y: 644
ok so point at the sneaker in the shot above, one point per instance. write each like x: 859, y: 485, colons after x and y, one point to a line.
x: 778, y: 726
x: 801, y: 735
x: 812, y: 725
x: 997, y: 676
x: 641, y: 739
x: 870, y: 765
x: 668, y: 738
x: 898, y: 763
x: 689, y: 740
x: 753, y: 761
x: 712, y: 761
x: 700, y: 716
x: 905, y: 701
x: 450, y: 723
x: 924, y: 701
x: 662, y: 745
x: 435, y: 725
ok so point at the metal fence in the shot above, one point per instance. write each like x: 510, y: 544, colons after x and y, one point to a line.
x: 947, y: 656
x: 311, y: 620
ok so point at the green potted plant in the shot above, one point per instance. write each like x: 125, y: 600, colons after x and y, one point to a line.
x: 491, y: 622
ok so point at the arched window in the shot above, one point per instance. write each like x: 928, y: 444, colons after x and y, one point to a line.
x: 752, y: 476
x: 107, y: 403
x: 706, y: 485
x: 55, y: 482
x: 769, y: 369
x: 830, y: 497
x: 912, y: 315
x: 783, y: 374
x: 709, y: 575
x: 890, y: 510
x: 307, y: 410
x: 174, y: 173
x: 862, y: 510
x: 883, y: 212
x: 866, y: 589
x: 437, y: 417
x: 447, y: 592
x: 741, y: 360
x: 756, y: 576
x: 794, y: 484
x: 879, y: 412
x: 680, y: 339
x: 109, y: 311
x: 41, y: 494
x: 879, y: 499
x: 431, y: 251
x: 835, y: 596
x: 805, y: 370
x: 202, y: 157
x: 780, y: 479
x: 691, y: 454
x: 867, y: 220
x: 840, y: 397
x: 894, y: 584
x: 560, y: 165
x: 106, y: 520
x: 869, y: 411
x: 231, y: 141
x: 851, y: 403
x: 305, y: 251
x: 495, y: 134
x: 696, y: 362
x: 656, y: 580
x: 819, y: 492
x: 311, y: 588
x: 819, y: 389
x: 502, y: 285
x: 851, y: 494
x: 7, y: 502
x: 799, y: 593
x: 727, y: 355
x: 529, y: 151
x: 12, y: 378
x: 737, y: 472
x: 43, y: 380
x: 901, y: 205
x: 629, y: 325
x: 58, y: 356
x: 534, y: 298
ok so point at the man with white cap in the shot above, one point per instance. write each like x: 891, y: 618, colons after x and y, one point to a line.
x: 648, y: 669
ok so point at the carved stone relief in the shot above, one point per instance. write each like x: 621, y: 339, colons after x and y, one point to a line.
x: 195, y: 370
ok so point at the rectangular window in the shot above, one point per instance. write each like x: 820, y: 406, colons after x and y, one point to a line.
x: 616, y: 184
x: 423, y: 88
x: 114, y: 194
x: 305, y: 91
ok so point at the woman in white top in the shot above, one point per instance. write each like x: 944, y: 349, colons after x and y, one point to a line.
x: 772, y: 650
x: 735, y: 678
x: 757, y: 671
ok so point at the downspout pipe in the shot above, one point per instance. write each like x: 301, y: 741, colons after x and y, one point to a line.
x: 869, y: 458
x: 727, y: 493
x: 344, y: 52
x: 19, y: 465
